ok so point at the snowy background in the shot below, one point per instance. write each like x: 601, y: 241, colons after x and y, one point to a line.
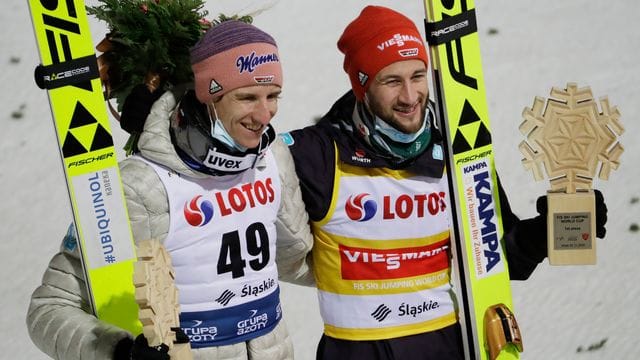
x: 527, y: 47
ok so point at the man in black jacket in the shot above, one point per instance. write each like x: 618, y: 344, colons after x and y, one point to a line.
x: 373, y: 181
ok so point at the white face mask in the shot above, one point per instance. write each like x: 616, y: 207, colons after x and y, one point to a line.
x: 220, y: 133
x: 395, y: 134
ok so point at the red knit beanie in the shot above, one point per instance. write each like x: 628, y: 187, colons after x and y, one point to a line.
x: 378, y: 37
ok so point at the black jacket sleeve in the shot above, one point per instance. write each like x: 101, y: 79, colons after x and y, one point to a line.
x: 314, y: 157
x: 525, y: 240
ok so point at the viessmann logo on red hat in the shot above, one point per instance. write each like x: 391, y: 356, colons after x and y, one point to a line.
x: 398, y: 40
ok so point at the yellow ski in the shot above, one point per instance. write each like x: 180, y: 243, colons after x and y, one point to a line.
x: 69, y: 72
x: 489, y: 328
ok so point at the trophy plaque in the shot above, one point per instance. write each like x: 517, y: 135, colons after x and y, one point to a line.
x: 573, y: 140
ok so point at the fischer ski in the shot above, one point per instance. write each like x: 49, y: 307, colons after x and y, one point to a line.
x: 489, y: 327
x: 69, y: 72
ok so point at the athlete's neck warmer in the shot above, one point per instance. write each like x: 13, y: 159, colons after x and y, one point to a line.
x: 230, y: 161
x: 385, y: 141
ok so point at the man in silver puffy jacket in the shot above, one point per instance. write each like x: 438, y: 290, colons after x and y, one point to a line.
x: 213, y: 153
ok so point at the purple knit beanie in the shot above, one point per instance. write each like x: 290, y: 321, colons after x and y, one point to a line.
x: 231, y: 55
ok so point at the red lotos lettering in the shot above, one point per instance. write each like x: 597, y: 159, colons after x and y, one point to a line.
x: 248, y: 195
x: 224, y: 210
x: 261, y: 192
x: 272, y: 193
x: 237, y: 200
x: 404, y: 206
x: 247, y: 190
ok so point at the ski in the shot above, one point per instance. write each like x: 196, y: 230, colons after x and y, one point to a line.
x: 69, y: 73
x: 482, y: 278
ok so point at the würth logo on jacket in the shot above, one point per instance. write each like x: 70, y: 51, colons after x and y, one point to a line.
x: 200, y: 210
x: 360, y: 155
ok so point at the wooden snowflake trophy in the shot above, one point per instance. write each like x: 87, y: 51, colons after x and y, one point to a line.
x: 571, y: 137
x: 157, y: 298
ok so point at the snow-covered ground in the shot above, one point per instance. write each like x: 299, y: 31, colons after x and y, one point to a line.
x: 528, y: 47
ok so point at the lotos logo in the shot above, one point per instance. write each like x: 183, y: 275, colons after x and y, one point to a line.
x: 198, y: 212
x: 357, y: 210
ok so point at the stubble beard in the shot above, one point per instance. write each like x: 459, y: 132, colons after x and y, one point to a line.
x: 388, y: 116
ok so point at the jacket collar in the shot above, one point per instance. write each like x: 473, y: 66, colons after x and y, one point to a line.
x: 353, y: 148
